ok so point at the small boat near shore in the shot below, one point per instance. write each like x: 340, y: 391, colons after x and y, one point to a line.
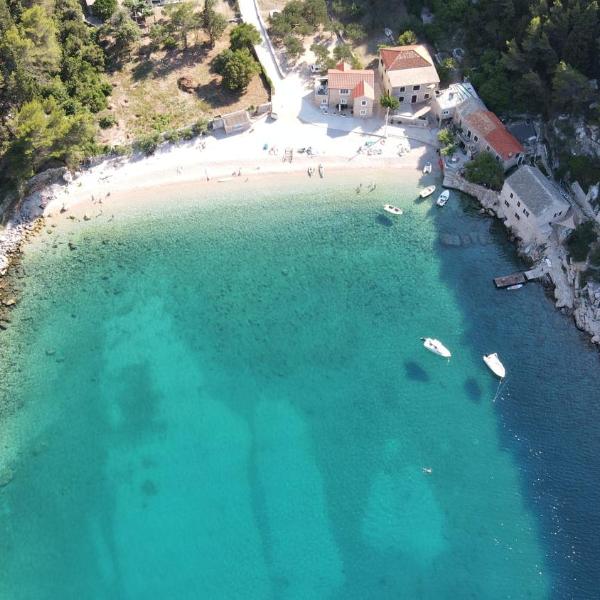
x: 427, y: 191
x: 321, y: 170
x: 436, y: 347
x: 311, y: 171
x: 518, y: 286
x: 443, y: 198
x: 494, y: 365
x: 427, y: 168
x: 393, y: 210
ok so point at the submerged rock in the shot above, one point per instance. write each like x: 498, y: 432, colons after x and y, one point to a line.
x: 450, y: 239
x: 6, y: 476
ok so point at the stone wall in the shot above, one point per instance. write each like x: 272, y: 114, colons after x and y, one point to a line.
x: 489, y: 199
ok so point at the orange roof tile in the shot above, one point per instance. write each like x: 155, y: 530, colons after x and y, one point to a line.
x: 349, y: 78
x: 491, y: 128
x: 403, y: 57
x: 363, y: 90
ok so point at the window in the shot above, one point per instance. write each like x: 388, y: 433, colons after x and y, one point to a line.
x: 344, y: 92
x: 475, y: 138
x: 343, y: 101
x: 363, y: 102
x: 323, y: 100
x: 413, y: 99
x: 401, y: 98
x: 403, y: 89
x: 497, y: 158
x: 511, y: 194
x: 416, y: 88
x: 525, y: 212
x: 426, y: 96
x: 488, y: 149
x: 363, y: 112
x: 517, y: 217
x: 518, y: 203
x: 507, y: 204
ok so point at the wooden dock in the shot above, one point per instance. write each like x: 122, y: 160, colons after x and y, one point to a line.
x: 508, y: 280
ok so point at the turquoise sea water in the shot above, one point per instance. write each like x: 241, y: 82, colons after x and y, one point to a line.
x: 229, y: 399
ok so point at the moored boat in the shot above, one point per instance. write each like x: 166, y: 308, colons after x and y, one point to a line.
x: 436, y: 347
x: 494, y: 365
x: 427, y: 168
x: 427, y: 191
x: 443, y: 198
x: 311, y: 171
x: 393, y: 210
x: 518, y: 286
x: 321, y: 170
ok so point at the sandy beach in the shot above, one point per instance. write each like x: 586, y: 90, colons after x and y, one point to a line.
x: 258, y: 151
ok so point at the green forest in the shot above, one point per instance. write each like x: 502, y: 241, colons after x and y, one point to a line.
x: 51, y: 82
x: 522, y: 55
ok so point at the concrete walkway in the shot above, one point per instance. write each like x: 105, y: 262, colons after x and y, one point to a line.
x: 265, y: 51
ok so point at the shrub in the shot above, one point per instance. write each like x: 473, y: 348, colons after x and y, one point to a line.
x: 147, y: 144
x: 172, y: 136
x: 187, y: 133
x: 107, y: 121
x: 407, y: 38
x: 120, y: 150
x: 104, y: 9
x: 200, y: 127
x: 244, y: 35
x: 355, y: 32
x: 293, y: 46
x: 484, y: 169
x: 579, y: 241
x: 237, y: 68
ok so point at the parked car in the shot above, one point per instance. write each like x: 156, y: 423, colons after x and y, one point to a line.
x: 314, y: 69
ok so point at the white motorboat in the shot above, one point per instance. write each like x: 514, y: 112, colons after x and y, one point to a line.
x: 427, y: 191
x: 393, y: 210
x: 443, y: 198
x: 494, y: 364
x: 517, y: 286
x: 321, y: 170
x: 427, y: 169
x: 436, y: 347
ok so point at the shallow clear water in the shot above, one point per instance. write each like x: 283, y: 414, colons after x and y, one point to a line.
x: 229, y: 399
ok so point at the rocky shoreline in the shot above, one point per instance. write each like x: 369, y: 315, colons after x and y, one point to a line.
x: 562, y: 278
x: 26, y: 220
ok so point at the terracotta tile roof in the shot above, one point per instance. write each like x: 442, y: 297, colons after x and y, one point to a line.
x: 408, y: 65
x: 405, y: 57
x: 363, y: 90
x: 491, y: 128
x: 349, y: 78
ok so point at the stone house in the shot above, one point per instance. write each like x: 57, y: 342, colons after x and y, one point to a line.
x: 479, y: 130
x: 407, y: 72
x: 482, y: 131
x: 234, y: 122
x: 344, y: 87
x: 445, y: 102
x: 531, y: 204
